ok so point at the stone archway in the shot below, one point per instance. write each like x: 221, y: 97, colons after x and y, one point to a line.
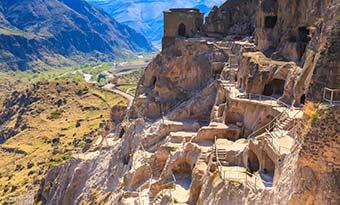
x: 182, y: 30
x: 253, y: 162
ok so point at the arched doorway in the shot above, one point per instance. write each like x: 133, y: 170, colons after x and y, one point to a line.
x: 182, y: 30
x: 253, y: 162
x: 275, y: 87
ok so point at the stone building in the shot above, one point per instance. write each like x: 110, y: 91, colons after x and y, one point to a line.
x: 181, y: 22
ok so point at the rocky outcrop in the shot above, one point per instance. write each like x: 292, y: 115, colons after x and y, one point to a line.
x: 176, y: 74
x: 234, y: 17
x: 297, y: 31
x: 260, y: 75
x: 319, y: 160
x: 327, y: 69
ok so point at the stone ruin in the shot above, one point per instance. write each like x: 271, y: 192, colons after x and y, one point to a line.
x: 182, y: 22
x: 218, y: 115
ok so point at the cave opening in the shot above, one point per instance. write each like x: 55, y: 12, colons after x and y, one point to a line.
x: 303, y: 99
x: 303, y: 40
x: 274, y: 88
x: 253, y: 162
x: 182, y: 30
x: 121, y: 133
x: 270, y: 21
x: 153, y: 81
x: 182, y: 168
x: 268, y: 166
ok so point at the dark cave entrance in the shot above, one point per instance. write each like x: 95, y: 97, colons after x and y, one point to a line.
x: 182, y: 168
x: 268, y: 165
x: 276, y: 87
x: 253, y: 162
x: 270, y: 21
x: 303, y: 99
x: 182, y: 30
x: 121, y: 133
x: 153, y: 81
x: 303, y: 40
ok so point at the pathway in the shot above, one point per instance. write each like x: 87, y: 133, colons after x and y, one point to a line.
x: 111, y: 87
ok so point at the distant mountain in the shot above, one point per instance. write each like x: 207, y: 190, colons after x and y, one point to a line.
x: 146, y: 16
x: 43, y: 33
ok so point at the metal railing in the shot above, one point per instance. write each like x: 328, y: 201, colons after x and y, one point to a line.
x: 297, y: 131
x: 196, y: 94
x: 276, y: 147
x: 331, y: 99
x: 250, y: 179
x: 258, y: 97
x: 271, y: 125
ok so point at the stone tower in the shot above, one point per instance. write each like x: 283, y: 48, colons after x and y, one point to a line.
x: 181, y: 22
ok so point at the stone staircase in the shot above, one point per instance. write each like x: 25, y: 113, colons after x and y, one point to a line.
x: 158, y: 198
x: 222, y: 156
x: 284, y: 124
x: 204, y: 156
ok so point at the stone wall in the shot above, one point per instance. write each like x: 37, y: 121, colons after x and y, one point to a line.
x: 181, y: 23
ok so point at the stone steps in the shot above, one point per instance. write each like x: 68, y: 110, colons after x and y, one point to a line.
x: 158, y: 199
x: 284, y: 125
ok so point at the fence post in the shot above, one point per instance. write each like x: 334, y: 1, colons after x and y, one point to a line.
x: 332, y: 96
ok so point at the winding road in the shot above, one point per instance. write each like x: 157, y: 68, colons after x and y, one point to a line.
x: 111, y: 87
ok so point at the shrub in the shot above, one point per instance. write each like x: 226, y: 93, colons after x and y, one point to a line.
x: 55, y: 114
x: 311, y: 111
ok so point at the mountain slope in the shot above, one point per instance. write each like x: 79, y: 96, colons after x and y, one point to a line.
x: 146, y: 16
x: 43, y: 33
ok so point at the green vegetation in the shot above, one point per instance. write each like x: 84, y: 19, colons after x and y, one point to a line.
x: 55, y: 114
x: 130, y: 89
x: 55, y: 133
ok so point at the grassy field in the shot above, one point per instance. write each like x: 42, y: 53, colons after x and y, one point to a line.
x: 55, y: 133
